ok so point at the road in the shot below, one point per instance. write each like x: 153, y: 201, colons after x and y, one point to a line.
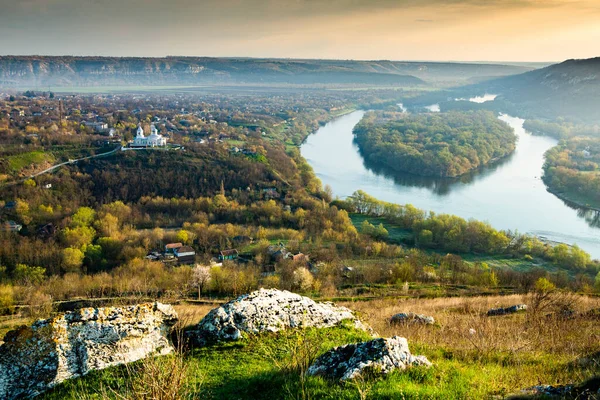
x: 52, y: 168
x: 55, y: 167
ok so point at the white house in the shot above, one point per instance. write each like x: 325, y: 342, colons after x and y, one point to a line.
x: 154, y: 140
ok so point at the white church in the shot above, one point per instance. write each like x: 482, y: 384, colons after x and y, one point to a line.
x: 154, y: 140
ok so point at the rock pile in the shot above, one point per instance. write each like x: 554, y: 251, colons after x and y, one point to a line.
x: 412, y: 318
x: 35, y: 358
x: 269, y: 310
x: 507, y: 310
x: 379, y: 356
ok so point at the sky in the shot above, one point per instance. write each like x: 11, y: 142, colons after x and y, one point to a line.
x: 439, y: 30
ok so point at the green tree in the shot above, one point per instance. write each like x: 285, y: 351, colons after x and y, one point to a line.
x: 83, y: 217
x: 26, y: 275
x: 425, y: 238
x: 72, y: 259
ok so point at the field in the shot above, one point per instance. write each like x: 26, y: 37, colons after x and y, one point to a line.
x: 474, y: 356
x: 19, y: 161
x: 396, y: 234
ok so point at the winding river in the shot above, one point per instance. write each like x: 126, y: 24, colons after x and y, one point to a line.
x: 509, y: 194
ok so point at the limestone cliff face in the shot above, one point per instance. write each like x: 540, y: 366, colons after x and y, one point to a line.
x: 35, y: 358
x: 43, y: 71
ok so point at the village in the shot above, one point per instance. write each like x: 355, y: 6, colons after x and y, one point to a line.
x: 178, y: 254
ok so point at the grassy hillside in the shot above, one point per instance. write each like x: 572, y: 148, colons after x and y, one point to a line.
x: 474, y: 357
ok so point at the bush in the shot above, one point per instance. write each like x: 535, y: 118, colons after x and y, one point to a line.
x: 7, y: 299
x: 303, y: 279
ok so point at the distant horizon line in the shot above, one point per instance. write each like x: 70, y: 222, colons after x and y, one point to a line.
x: 301, y: 58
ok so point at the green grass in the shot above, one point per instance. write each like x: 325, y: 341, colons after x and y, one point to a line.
x: 19, y: 161
x: 396, y: 233
x: 248, y: 370
x: 516, y: 264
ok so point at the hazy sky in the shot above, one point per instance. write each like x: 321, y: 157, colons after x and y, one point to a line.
x: 506, y: 30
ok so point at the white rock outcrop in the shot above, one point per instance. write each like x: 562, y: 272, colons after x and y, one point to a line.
x: 378, y: 356
x: 412, y: 318
x: 270, y: 310
x: 35, y: 358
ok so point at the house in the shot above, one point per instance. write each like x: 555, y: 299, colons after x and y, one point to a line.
x: 46, y: 230
x: 171, y: 247
x: 11, y: 226
x: 97, y: 126
x: 278, y: 253
x: 185, y: 255
x: 16, y: 113
x: 231, y: 254
x: 270, y: 193
x: 300, y: 257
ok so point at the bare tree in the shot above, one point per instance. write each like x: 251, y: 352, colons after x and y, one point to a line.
x: 201, y: 277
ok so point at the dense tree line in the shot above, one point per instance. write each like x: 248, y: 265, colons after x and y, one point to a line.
x: 455, y: 234
x: 560, y: 129
x: 443, y: 145
x: 572, y: 170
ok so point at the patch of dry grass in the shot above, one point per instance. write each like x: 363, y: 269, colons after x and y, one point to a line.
x: 462, y: 325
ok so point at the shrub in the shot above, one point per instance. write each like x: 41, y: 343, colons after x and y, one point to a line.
x: 7, y: 299
x: 302, y: 279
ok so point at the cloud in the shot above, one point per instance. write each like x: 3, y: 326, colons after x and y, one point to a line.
x: 396, y: 29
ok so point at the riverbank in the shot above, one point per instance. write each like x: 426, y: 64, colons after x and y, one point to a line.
x: 573, y: 200
x: 509, y: 194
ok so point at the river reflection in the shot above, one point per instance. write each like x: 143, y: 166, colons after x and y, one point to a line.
x: 439, y: 186
x: 509, y: 194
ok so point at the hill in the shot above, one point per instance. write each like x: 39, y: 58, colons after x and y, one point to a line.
x: 570, y: 89
x: 44, y: 71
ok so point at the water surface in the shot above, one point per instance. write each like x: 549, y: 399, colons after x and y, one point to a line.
x: 509, y: 194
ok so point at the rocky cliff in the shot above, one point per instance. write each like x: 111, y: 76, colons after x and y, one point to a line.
x: 35, y: 358
x: 39, y: 72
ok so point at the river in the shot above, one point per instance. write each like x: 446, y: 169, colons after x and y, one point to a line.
x: 509, y: 194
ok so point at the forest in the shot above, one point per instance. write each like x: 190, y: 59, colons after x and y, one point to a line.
x: 571, y: 170
x: 440, y: 145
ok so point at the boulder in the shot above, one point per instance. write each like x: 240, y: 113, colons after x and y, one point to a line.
x: 507, y: 310
x: 412, y: 318
x: 269, y: 311
x: 35, y: 358
x: 376, y: 356
x: 588, y: 390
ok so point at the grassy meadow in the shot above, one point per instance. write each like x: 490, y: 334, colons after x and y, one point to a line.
x: 474, y: 356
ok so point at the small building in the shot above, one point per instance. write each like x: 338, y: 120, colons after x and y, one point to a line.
x: 47, y: 230
x: 11, y: 226
x: 171, y: 247
x: 16, y: 113
x: 185, y: 255
x: 300, y: 257
x: 97, y: 126
x: 231, y: 254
